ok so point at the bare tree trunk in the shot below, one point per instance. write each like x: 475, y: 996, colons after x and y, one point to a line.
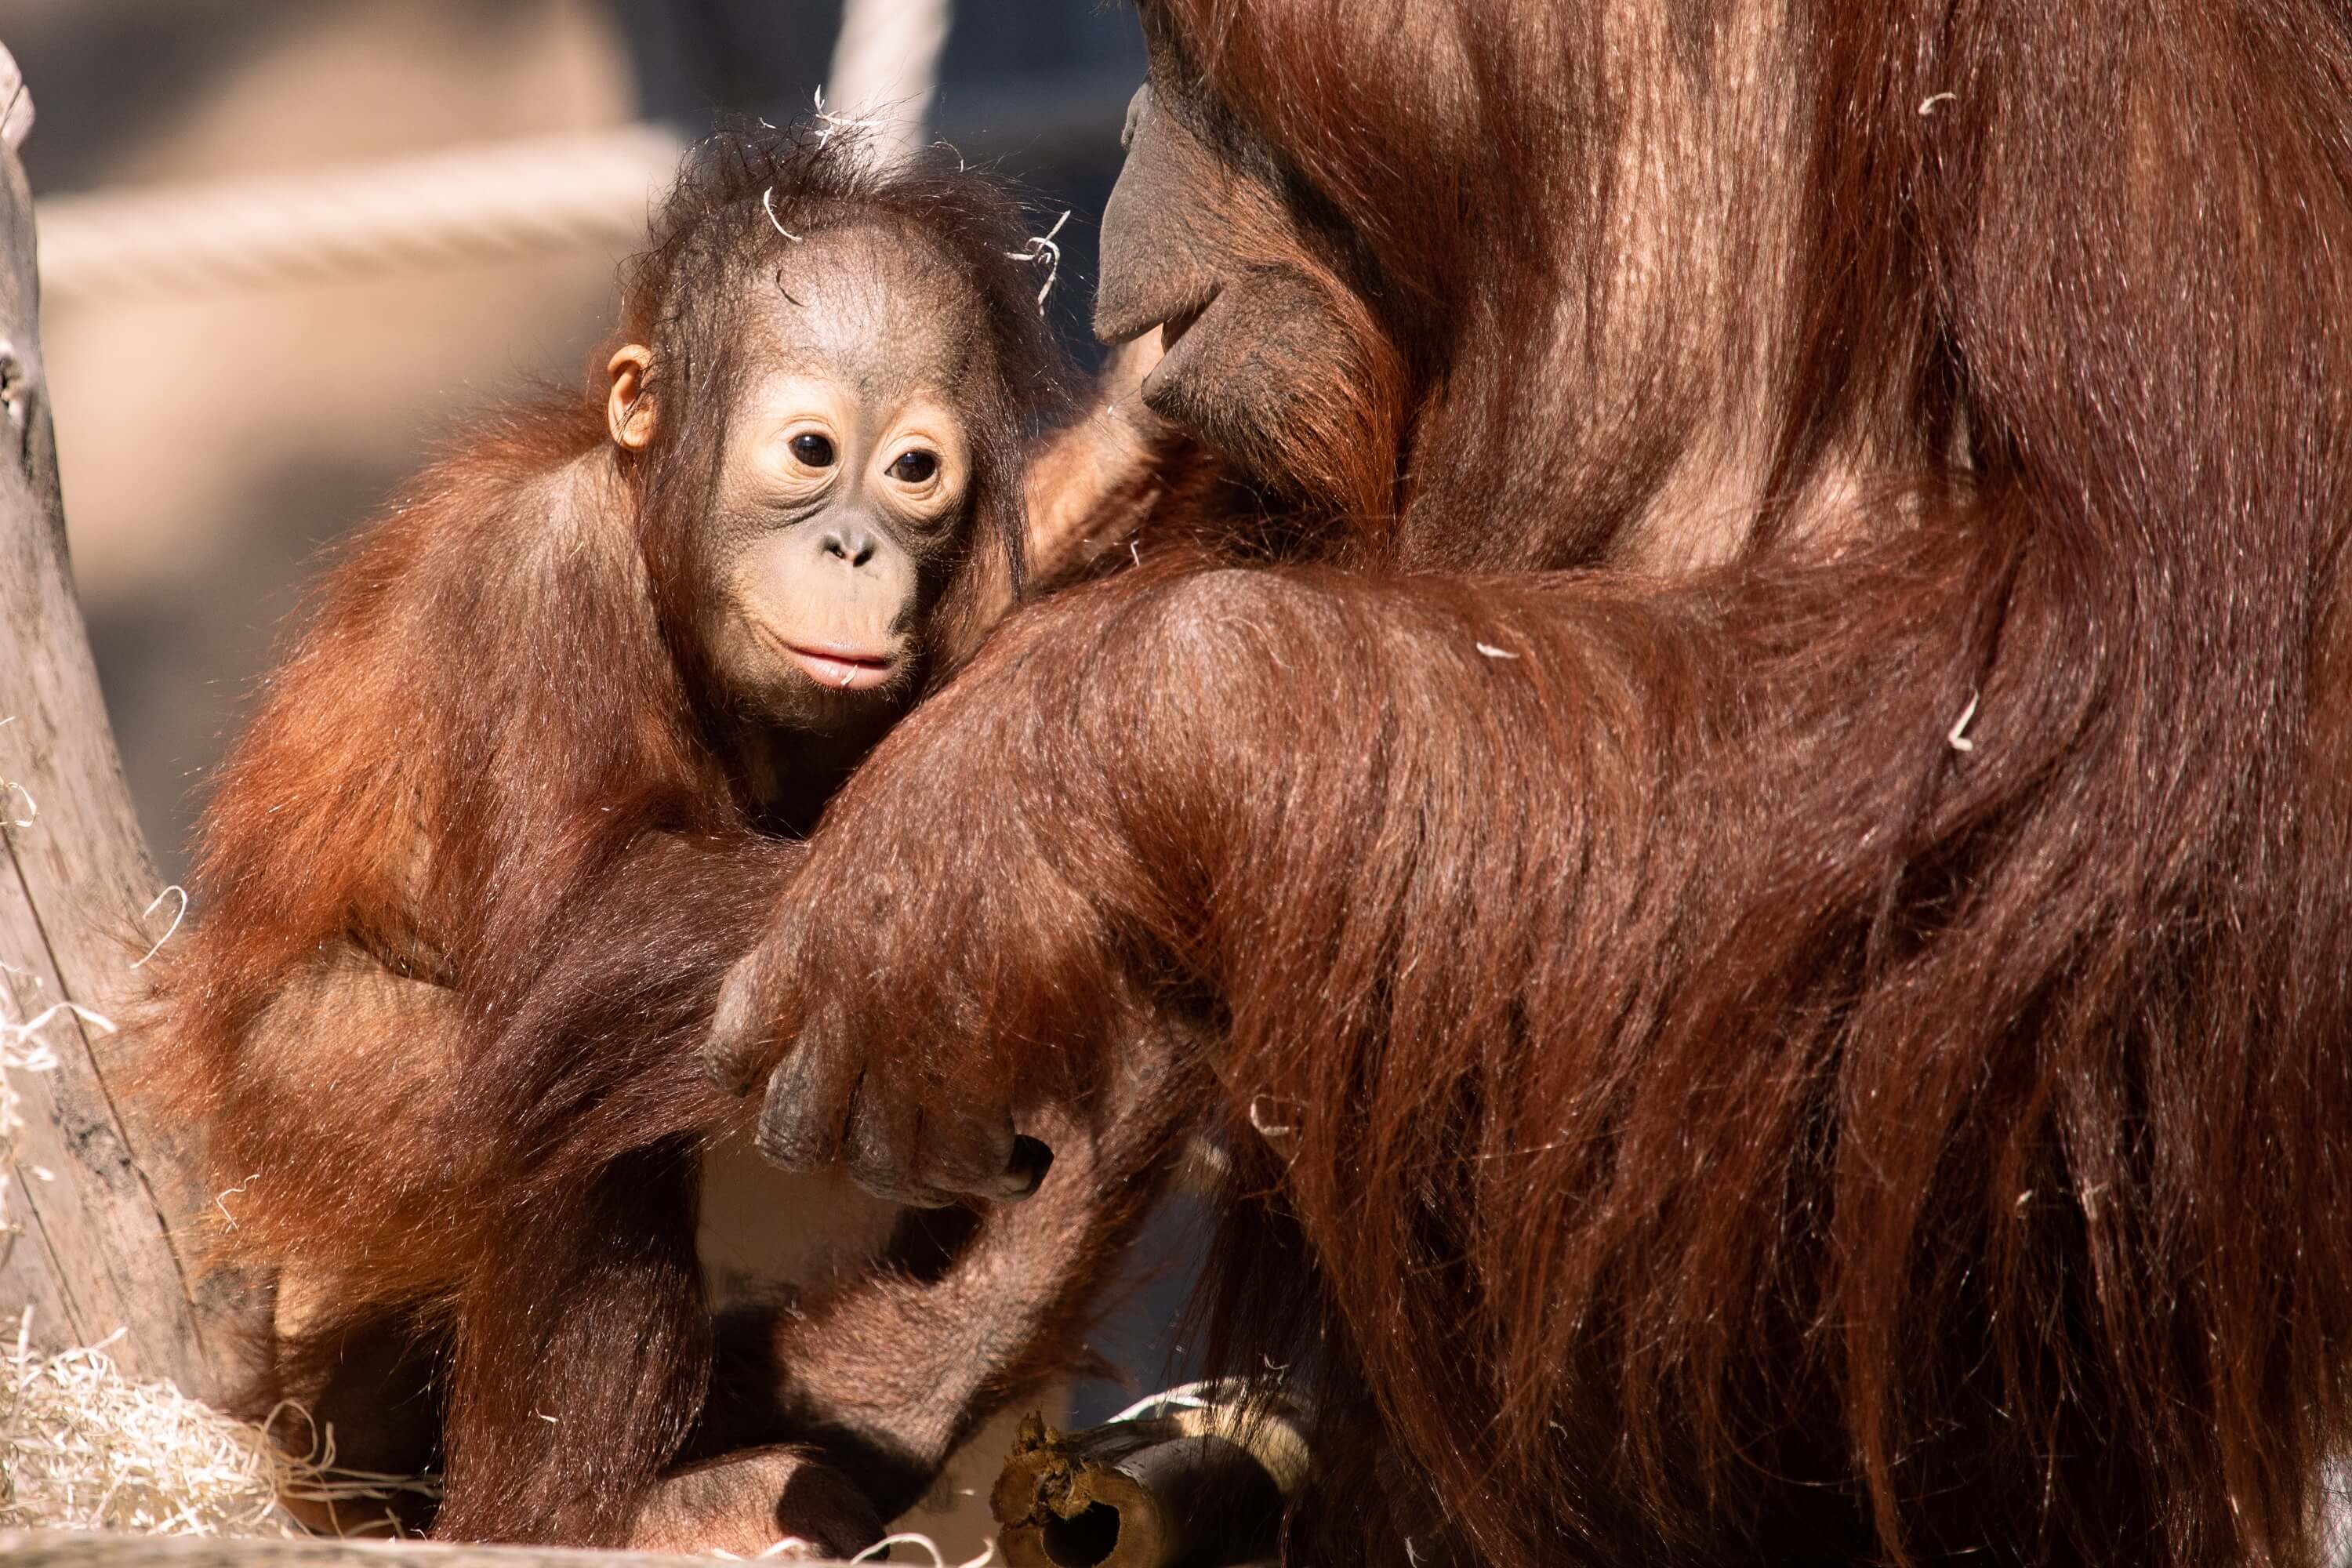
x: 90, y: 1191
x: 62, y: 1549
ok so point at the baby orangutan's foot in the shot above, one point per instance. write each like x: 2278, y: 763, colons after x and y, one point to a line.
x: 747, y: 1502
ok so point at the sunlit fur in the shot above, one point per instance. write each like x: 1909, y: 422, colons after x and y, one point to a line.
x: 1830, y: 1041
x: 467, y: 881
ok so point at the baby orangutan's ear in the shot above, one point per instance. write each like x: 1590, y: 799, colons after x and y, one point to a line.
x: 629, y: 411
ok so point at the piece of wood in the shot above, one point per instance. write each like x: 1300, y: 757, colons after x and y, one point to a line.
x: 1201, y: 1489
x: 93, y: 1251
x: 98, y: 1549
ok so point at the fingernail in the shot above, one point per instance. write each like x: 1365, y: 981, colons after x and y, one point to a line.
x: 1026, y: 1171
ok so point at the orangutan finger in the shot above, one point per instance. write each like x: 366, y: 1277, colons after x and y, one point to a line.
x: 801, y: 1122
x: 740, y: 1029
x: 884, y: 1147
x: 968, y: 1152
x: 1024, y: 1171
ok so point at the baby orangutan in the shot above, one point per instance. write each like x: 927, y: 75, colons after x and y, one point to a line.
x: 525, y: 789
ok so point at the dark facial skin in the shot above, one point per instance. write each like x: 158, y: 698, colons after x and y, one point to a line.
x: 843, y: 498
x: 1196, y: 241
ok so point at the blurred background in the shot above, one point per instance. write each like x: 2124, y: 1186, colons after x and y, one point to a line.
x: 251, y: 335
x: 287, y: 247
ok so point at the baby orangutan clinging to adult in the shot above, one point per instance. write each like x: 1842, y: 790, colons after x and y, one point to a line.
x: 527, y: 787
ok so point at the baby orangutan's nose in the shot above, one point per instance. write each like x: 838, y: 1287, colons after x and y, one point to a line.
x: 853, y: 545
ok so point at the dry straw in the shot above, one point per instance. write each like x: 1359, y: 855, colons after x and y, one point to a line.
x: 82, y: 1447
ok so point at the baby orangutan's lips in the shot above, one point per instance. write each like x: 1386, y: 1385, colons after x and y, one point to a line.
x: 843, y: 668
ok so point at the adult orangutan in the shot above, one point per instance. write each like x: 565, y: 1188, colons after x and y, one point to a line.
x: 1763, y: 831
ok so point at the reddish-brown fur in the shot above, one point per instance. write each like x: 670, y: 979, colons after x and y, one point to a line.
x: 1832, y: 1042
x: 468, y: 884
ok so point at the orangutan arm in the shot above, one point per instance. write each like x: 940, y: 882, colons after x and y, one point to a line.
x: 1408, y: 799
x: 885, y: 1370
x: 1090, y: 483
x: 1596, y: 940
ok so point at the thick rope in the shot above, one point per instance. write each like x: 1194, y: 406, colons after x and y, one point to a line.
x: 464, y: 204
x: 474, y: 202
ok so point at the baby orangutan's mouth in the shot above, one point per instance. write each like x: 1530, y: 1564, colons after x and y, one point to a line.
x: 842, y: 668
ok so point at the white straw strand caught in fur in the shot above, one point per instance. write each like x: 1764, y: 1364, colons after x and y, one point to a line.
x: 178, y: 915
x: 1958, y: 734
x: 220, y: 1199
x: 1042, y: 247
x: 768, y: 200
x: 832, y: 122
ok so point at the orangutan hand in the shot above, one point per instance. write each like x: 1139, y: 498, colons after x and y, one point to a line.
x: 948, y: 954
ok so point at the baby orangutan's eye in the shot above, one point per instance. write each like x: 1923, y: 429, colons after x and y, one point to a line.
x: 915, y: 468
x: 814, y: 450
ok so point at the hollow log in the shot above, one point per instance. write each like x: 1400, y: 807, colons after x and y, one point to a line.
x: 1202, y: 1488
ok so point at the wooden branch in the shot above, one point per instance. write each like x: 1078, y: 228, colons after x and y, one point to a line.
x: 94, y: 1251
x: 94, y: 1549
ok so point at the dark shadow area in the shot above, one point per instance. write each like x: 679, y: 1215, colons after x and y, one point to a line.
x: 1141, y: 1332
